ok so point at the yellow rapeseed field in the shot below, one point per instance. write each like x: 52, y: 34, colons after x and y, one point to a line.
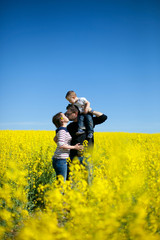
x: 116, y: 196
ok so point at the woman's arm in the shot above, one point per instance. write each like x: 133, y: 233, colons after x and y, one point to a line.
x: 68, y: 146
x: 76, y: 147
x: 55, y: 139
x: 62, y: 144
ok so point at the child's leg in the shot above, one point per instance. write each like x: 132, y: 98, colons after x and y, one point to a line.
x: 81, y: 125
x: 81, y: 122
x: 89, y: 125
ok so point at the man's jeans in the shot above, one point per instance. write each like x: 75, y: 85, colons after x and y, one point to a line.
x: 84, y: 161
x: 60, y: 167
x: 85, y: 120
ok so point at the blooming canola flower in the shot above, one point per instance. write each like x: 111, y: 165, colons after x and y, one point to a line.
x: 116, y: 197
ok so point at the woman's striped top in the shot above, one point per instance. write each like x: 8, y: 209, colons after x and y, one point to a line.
x: 63, y: 138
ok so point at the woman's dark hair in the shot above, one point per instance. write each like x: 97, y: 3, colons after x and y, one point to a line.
x: 56, y: 120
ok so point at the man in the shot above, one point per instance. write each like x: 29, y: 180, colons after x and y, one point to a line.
x: 72, y: 114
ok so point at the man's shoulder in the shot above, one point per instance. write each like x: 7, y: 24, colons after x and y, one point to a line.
x: 72, y: 125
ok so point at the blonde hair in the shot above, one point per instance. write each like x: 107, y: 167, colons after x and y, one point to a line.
x: 71, y: 93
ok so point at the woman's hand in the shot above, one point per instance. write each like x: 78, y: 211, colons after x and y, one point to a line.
x: 78, y: 147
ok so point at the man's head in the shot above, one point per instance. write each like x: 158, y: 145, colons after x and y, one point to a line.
x: 71, y: 96
x: 72, y: 112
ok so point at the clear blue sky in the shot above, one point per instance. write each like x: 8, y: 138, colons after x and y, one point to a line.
x: 107, y: 51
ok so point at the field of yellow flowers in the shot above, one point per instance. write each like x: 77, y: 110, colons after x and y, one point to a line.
x: 115, y: 196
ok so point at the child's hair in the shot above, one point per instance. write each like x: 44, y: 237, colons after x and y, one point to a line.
x: 71, y: 93
x: 57, y: 120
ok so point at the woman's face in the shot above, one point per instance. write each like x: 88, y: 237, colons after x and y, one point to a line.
x: 64, y: 118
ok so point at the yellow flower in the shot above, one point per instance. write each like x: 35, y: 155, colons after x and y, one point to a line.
x: 113, y: 195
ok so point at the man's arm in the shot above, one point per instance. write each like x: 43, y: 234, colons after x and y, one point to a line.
x: 96, y: 113
x: 100, y: 117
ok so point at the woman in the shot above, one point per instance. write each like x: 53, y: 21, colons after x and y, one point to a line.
x: 63, y: 145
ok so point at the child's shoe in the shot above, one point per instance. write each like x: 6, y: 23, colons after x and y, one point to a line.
x: 90, y: 135
x: 80, y: 131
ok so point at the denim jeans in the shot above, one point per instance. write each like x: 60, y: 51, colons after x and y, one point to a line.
x: 88, y: 165
x: 60, y: 167
x: 84, y: 161
x: 85, y: 120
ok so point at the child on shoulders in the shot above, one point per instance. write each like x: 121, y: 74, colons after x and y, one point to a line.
x: 85, y: 120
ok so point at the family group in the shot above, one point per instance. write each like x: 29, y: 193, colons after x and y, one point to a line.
x: 70, y: 137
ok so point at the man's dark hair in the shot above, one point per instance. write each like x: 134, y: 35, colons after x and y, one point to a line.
x: 56, y: 120
x: 72, y: 108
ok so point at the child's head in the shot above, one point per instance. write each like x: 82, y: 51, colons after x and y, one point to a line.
x: 71, y: 96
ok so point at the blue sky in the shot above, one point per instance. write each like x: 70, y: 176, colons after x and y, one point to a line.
x: 107, y: 51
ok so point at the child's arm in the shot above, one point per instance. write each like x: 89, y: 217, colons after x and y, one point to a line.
x: 87, y: 107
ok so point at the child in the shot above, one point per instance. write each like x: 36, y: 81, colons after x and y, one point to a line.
x: 63, y: 145
x: 84, y: 118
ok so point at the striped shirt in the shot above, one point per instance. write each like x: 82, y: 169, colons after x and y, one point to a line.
x: 63, y: 138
